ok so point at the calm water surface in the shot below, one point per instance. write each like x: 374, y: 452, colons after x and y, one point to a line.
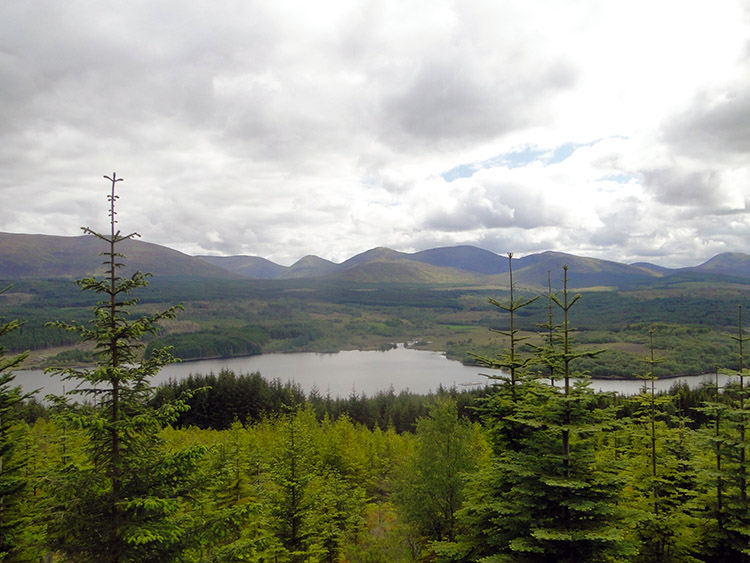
x: 342, y: 373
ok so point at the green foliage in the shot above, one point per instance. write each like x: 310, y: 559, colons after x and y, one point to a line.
x: 544, y: 497
x: 429, y: 491
x: 120, y: 503
x: 216, y: 401
x: 257, y: 471
x: 13, y: 520
x: 244, y: 341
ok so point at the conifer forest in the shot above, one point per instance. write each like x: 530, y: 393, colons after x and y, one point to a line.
x: 536, y: 467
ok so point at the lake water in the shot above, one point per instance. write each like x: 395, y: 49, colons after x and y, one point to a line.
x: 342, y: 373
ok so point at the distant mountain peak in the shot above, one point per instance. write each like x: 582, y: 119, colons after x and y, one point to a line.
x: 47, y: 256
x: 309, y: 266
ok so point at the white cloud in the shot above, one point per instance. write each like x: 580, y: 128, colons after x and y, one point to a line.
x: 282, y: 129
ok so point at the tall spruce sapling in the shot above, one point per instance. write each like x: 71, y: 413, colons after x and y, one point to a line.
x: 729, y: 410
x: 12, y: 482
x: 566, y: 355
x: 661, y: 473
x: 507, y: 390
x: 510, y: 359
x: 548, y: 356
x: 120, y: 506
x: 652, y: 404
x: 740, y: 396
x: 548, y: 498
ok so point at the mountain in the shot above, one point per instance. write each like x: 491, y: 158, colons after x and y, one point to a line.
x: 404, y: 271
x: 465, y: 265
x: 43, y: 256
x: 247, y: 266
x: 726, y: 264
x: 468, y: 258
x: 652, y: 268
x: 536, y: 269
x: 383, y: 265
x: 379, y: 254
x: 46, y: 256
x: 309, y: 267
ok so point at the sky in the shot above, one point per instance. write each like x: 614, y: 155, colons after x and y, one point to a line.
x: 616, y: 130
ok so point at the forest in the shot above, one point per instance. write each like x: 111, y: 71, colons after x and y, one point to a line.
x: 227, y: 467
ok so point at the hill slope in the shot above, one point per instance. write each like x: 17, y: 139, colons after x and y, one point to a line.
x: 583, y: 272
x: 45, y: 256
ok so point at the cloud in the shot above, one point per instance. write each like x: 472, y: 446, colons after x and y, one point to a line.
x: 288, y: 128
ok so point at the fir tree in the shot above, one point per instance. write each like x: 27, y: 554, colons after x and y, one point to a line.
x: 728, y: 535
x: 501, y: 404
x: 12, y: 481
x: 546, y: 499
x: 662, y: 476
x: 121, y: 505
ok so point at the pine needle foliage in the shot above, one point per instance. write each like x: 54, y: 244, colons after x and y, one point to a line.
x: 728, y: 535
x: 661, y: 475
x: 507, y: 391
x: 120, y: 505
x: 547, y: 498
x: 12, y: 482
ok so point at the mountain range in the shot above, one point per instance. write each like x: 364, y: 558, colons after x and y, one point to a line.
x: 46, y: 256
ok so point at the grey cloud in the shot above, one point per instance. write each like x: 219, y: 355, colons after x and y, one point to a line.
x: 489, y: 205
x: 706, y: 145
x: 619, y: 225
x: 452, y: 97
x: 713, y: 128
x: 471, y: 215
x: 674, y: 186
x: 240, y: 127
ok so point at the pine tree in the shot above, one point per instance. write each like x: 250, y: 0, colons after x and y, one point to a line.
x: 292, y: 472
x: 233, y: 525
x: 12, y: 482
x: 728, y: 536
x: 547, y: 499
x: 507, y: 392
x: 661, y: 473
x: 121, y: 505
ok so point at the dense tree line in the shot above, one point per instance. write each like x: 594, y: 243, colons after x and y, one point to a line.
x: 217, y: 401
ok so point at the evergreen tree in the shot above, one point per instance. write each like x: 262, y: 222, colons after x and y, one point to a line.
x: 502, y: 403
x: 12, y: 481
x: 292, y: 471
x: 233, y: 524
x: 121, y: 503
x: 727, y: 536
x: 661, y: 475
x: 546, y: 499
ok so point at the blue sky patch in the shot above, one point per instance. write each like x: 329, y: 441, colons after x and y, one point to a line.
x: 515, y: 159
